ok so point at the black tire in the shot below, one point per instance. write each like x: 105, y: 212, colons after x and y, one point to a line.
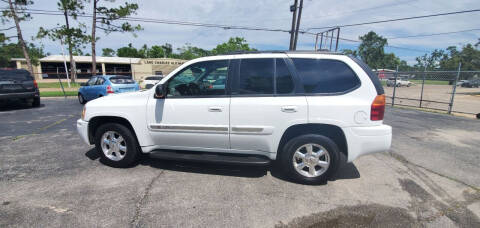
x: 36, y: 102
x: 81, y: 99
x: 130, y: 156
x: 286, y: 158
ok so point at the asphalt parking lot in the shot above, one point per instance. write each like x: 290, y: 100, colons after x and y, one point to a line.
x: 50, y: 178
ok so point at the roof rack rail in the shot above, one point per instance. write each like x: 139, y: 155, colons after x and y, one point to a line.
x: 283, y: 52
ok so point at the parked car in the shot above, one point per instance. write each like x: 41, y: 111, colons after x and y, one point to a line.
x: 103, y: 85
x: 474, y: 83
x: 19, y: 84
x: 150, y: 81
x: 303, y: 110
x: 459, y: 83
x: 400, y: 82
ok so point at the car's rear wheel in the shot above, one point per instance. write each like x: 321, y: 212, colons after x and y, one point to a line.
x: 310, y: 159
x: 36, y: 102
x: 117, y: 145
x: 81, y: 99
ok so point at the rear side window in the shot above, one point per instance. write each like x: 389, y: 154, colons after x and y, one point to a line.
x: 122, y: 80
x: 284, y: 80
x: 325, y: 75
x: 256, y: 76
x: 100, y: 81
x: 21, y: 75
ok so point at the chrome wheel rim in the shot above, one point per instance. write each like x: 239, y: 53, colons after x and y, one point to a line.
x: 114, y: 147
x: 311, y: 160
x: 80, y: 98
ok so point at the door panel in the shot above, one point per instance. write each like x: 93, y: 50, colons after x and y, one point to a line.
x: 263, y: 104
x: 195, y: 113
x: 189, y: 122
x: 257, y: 121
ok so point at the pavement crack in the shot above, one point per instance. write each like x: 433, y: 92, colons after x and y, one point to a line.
x: 143, y: 200
x: 405, y: 161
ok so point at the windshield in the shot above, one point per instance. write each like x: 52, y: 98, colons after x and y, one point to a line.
x: 22, y: 75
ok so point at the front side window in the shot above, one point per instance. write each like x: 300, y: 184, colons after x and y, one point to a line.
x: 200, y: 79
x: 256, y: 76
x: 325, y: 75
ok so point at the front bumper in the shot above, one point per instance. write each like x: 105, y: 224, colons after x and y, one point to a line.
x: 367, y: 140
x: 82, y: 128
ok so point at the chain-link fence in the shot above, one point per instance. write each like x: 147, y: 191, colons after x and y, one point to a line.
x: 444, y: 91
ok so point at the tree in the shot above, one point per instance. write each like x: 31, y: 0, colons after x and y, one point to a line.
x: 233, y: 44
x: 108, y: 52
x: 168, y: 50
x: 74, y: 36
x: 15, y: 50
x: 156, y: 52
x: 190, y: 52
x: 371, y: 50
x: 353, y: 53
x: 16, y: 13
x: 128, y: 51
x: 107, y: 22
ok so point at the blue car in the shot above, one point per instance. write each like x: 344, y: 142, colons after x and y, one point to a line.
x: 103, y: 85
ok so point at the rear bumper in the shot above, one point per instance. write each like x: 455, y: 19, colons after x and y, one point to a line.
x: 5, y: 96
x: 367, y: 140
x: 82, y: 128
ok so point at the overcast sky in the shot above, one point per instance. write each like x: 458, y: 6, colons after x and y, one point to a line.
x: 276, y: 14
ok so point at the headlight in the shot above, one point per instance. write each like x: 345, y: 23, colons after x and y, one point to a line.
x: 83, y: 112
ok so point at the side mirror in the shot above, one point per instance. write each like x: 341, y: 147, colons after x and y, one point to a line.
x: 83, y: 84
x: 160, y: 92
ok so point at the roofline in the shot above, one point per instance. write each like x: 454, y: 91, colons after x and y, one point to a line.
x: 283, y: 52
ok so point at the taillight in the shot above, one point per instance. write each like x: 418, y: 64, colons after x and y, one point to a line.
x: 35, y: 83
x: 378, y: 108
x: 109, y: 89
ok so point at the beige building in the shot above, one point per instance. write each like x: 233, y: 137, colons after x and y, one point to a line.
x: 52, y: 67
x: 155, y: 66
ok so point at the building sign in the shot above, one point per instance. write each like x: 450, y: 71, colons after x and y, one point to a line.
x: 164, y: 62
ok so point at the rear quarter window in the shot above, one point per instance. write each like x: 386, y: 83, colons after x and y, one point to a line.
x: 325, y: 75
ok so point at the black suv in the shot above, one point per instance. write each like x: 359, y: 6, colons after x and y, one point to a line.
x: 18, y: 84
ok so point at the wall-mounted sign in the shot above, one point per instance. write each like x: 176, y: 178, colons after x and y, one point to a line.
x: 164, y: 62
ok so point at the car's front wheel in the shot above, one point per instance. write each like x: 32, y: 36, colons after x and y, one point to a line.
x: 81, y: 99
x: 117, y: 145
x: 310, y: 159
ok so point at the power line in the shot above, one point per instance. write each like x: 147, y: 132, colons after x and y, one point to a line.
x: 237, y: 27
x: 433, y: 34
x: 397, y: 19
x: 162, y: 21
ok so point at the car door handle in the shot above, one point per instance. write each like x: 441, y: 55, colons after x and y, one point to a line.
x: 289, y: 108
x: 215, y: 109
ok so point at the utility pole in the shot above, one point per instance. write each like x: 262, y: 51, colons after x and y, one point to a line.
x: 298, y: 25
x: 293, y: 9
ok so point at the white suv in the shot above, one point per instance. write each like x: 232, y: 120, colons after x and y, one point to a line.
x: 302, y: 109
